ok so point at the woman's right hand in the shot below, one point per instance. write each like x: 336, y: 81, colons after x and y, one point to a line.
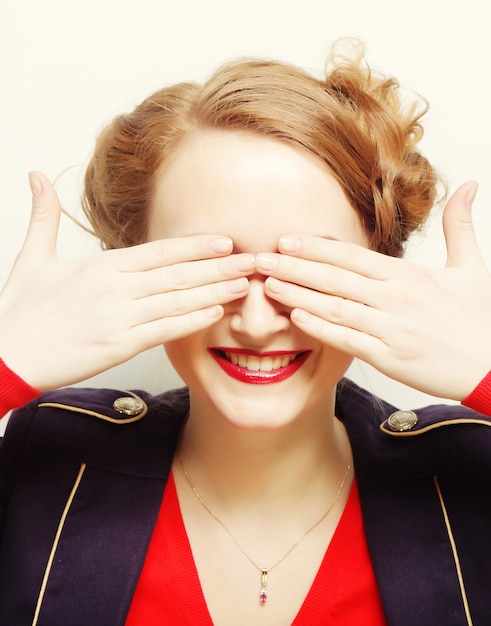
x: 64, y: 321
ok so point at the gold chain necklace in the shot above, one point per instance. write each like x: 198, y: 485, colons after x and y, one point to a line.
x: 263, y: 594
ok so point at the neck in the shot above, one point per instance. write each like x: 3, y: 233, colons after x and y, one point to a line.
x: 269, y: 471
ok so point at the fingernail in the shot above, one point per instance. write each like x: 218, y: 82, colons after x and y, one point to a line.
x: 471, y: 193
x: 239, y: 285
x: 300, y: 316
x: 289, y: 244
x: 222, y: 245
x: 244, y: 262
x: 214, y: 311
x: 35, y: 184
x: 274, y: 286
x: 266, y: 262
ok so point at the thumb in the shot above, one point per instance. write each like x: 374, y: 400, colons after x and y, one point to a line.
x: 43, y: 226
x: 462, y: 249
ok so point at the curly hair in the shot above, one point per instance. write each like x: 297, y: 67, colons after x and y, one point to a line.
x: 353, y: 119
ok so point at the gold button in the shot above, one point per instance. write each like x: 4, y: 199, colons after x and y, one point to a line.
x: 128, y: 405
x: 402, y: 420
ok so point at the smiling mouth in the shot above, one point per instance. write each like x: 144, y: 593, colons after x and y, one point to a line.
x: 265, y: 368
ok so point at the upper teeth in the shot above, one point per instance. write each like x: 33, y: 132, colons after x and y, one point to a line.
x: 259, y: 364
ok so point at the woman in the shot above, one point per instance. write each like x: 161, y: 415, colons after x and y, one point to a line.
x: 274, y: 207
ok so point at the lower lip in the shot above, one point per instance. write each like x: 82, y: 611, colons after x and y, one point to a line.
x: 244, y: 375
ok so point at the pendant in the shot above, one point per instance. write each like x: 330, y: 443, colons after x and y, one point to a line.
x: 263, y: 596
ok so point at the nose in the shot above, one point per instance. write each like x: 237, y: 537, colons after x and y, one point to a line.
x: 256, y: 317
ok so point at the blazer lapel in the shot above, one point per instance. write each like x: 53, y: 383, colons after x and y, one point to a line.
x: 101, y: 549
x: 86, y: 497
x: 403, y: 519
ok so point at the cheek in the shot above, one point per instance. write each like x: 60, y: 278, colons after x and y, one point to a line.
x: 331, y: 365
x: 184, y: 355
x: 178, y: 354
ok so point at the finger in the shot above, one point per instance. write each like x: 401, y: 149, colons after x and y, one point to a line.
x: 349, y: 256
x: 45, y: 218
x: 192, y: 274
x: 332, y: 309
x: 164, y: 252
x: 176, y: 303
x: 319, y: 276
x: 349, y: 340
x: 462, y: 248
x: 161, y: 331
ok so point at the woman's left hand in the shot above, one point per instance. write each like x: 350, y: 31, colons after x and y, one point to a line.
x: 428, y: 328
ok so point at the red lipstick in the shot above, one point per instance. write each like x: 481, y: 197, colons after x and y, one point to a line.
x: 295, y: 360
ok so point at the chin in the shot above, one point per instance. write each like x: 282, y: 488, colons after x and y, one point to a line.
x: 257, y: 422
x: 260, y: 413
x: 304, y: 396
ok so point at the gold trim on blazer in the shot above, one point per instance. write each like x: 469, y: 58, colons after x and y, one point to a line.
x: 56, y: 540
x: 424, y: 429
x: 101, y: 416
x: 454, y: 551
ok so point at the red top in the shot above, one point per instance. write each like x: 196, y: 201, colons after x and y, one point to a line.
x: 344, y: 591
x: 14, y: 392
x: 480, y: 398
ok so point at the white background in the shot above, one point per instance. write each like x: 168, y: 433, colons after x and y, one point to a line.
x: 68, y: 67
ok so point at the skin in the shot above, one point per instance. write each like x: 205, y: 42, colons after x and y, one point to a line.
x: 426, y: 327
x: 140, y: 305
x: 252, y: 188
x: 261, y: 457
x: 270, y: 456
x: 64, y: 321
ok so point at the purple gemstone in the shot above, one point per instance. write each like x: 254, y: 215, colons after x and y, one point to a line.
x: 263, y: 596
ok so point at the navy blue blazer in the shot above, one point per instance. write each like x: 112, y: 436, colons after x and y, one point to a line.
x: 81, y: 486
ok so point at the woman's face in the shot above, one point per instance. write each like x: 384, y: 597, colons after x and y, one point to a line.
x: 253, y: 189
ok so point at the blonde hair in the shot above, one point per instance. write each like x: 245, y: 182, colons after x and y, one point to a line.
x: 353, y: 119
